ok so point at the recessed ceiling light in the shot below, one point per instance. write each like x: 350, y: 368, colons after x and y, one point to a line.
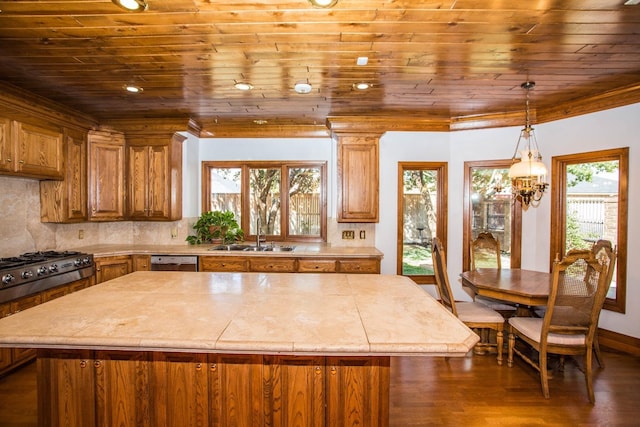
x: 132, y: 5
x: 302, y: 87
x: 323, y: 3
x: 131, y: 88
x: 362, y: 60
x: 260, y: 122
x: 243, y: 86
x: 362, y: 85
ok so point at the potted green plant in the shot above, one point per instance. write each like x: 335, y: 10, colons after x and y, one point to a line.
x: 220, y: 226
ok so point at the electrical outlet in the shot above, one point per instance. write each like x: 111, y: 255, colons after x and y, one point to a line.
x: 363, y: 234
x: 348, y: 234
x: 80, y: 234
x: 174, y: 232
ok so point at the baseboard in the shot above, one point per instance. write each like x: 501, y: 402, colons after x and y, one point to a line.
x: 619, y: 342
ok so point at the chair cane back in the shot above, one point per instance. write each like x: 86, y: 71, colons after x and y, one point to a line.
x: 571, y: 319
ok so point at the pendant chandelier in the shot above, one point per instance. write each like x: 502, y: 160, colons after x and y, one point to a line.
x: 527, y: 172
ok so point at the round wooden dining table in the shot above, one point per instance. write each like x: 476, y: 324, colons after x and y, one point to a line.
x: 526, y: 288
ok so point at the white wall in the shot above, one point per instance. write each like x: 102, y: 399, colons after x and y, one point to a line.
x: 613, y: 128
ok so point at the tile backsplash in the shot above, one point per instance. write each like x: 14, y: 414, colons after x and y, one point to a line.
x: 21, y: 230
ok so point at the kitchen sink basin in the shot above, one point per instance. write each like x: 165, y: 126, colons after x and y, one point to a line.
x: 252, y: 248
x: 234, y: 247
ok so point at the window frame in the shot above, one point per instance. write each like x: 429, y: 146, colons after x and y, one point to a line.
x: 441, y: 169
x: 558, y: 212
x: 284, y: 166
x: 467, y: 214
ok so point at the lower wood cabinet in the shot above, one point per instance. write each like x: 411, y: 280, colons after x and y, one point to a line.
x: 272, y: 265
x: 112, y: 267
x: 223, y: 264
x: 289, y: 264
x: 108, y: 388
x: 141, y: 262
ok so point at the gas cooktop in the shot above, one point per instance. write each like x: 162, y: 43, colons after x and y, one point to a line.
x: 33, y: 272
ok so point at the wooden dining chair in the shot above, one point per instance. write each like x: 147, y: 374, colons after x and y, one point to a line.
x: 569, y: 325
x: 485, y: 253
x: 605, y: 253
x: 475, y: 315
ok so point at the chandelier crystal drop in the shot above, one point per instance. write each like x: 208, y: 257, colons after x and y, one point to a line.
x: 528, y: 174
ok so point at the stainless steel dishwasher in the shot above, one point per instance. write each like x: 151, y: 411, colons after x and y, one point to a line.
x: 174, y: 263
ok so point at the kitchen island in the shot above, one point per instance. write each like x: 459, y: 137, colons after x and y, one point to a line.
x: 223, y: 349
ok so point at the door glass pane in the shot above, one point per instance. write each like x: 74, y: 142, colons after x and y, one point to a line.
x: 225, y: 190
x: 419, y: 210
x: 264, y: 199
x: 592, y: 206
x: 304, y: 201
x: 491, y: 206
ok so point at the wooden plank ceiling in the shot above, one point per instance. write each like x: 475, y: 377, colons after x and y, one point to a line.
x: 431, y: 61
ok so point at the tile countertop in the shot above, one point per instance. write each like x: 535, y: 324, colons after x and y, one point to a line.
x: 301, y: 250
x: 257, y: 313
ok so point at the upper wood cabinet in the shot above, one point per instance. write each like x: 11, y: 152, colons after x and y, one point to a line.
x: 155, y: 178
x: 66, y: 201
x: 31, y: 151
x: 106, y: 176
x: 358, y: 181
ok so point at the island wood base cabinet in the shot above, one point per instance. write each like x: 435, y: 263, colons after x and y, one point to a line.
x: 136, y: 388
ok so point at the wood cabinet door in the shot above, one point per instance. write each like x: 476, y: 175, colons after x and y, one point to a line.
x: 108, y: 268
x: 155, y: 177
x: 272, y: 265
x: 358, y: 178
x: 179, y: 388
x: 122, y: 389
x: 294, y: 388
x: 138, y: 182
x: 66, y: 201
x: 236, y: 396
x: 159, y: 182
x: 57, y: 292
x: 317, y: 265
x: 78, y: 285
x: 38, y: 151
x: 141, y: 262
x: 362, y: 265
x: 358, y: 391
x: 106, y: 176
x: 7, y: 147
x: 223, y: 263
x: 67, y: 397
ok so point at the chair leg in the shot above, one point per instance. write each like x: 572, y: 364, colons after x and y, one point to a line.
x: 512, y: 343
x: 588, y: 369
x: 500, y: 344
x: 596, y: 349
x: 544, y: 374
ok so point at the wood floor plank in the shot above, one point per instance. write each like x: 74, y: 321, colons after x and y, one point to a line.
x: 469, y: 391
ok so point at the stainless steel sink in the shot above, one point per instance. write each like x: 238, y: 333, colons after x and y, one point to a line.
x: 234, y: 247
x: 252, y: 248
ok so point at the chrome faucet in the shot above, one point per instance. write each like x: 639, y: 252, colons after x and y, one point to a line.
x: 259, y: 240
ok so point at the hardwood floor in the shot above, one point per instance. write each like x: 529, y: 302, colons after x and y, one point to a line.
x: 469, y: 391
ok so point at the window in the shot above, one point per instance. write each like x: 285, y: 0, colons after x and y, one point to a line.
x: 589, y: 202
x: 422, y: 207
x: 288, y: 198
x: 488, y: 210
